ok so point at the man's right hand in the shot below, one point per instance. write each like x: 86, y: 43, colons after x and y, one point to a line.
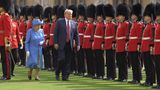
x: 56, y: 46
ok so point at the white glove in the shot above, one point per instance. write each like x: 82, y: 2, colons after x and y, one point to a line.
x: 41, y: 43
x: 78, y: 48
x: 27, y: 54
x: 21, y: 47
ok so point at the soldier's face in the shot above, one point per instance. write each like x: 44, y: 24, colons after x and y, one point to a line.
x: 80, y: 18
x: 99, y: 18
x: 134, y: 18
x: 158, y: 19
x: 54, y: 17
x: 147, y: 19
x: 108, y: 19
x: 90, y: 19
x: 121, y: 18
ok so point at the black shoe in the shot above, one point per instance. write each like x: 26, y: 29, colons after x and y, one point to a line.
x: 134, y: 82
x: 29, y: 77
x: 118, y: 80
x: 4, y: 78
x: 146, y: 84
x: 156, y: 87
x: 65, y: 79
x: 13, y: 75
x: 124, y: 80
x: 57, y: 78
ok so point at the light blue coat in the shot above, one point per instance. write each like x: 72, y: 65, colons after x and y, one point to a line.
x: 32, y: 44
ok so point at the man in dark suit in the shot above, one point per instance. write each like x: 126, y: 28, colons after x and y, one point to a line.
x: 64, y: 35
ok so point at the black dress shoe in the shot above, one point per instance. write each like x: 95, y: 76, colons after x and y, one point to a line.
x: 4, y: 78
x: 13, y: 75
x: 134, y: 82
x: 57, y: 78
x: 146, y: 84
x: 156, y: 87
x: 64, y: 79
x: 29, y: 77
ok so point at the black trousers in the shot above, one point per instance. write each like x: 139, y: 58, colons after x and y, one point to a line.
x: 5, y: 59
x: 81, y: 63
x: 99, y: 59
x: 53, y: 56
x: 157, y: 67
x: 22, y: 55
x: 136, y: 65
x: 110, y: 64
x: 73, y: 62
x: 47, y: 60
x: 91, y: 67
x: 122, y: 65
x: 149, y: 67
x: 15, y: 58
x: 64, y: 65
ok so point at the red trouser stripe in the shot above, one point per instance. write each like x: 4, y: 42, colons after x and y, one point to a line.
x: 7, y: 65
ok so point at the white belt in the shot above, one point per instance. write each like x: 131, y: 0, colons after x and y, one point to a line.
x: 87, y: 36
x: 157, y: 40
x: 81, y: 34
x: 109, y: 37
x: 51, y: 34
x: 118, y: 38
x: 45, y: 35
x: 133, y: 37
x: 14, y: 36
x: 95, y: 36
x: 20, y: 33
x: 146, y: 38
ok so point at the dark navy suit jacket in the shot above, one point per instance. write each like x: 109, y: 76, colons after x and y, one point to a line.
x: 60, y: 36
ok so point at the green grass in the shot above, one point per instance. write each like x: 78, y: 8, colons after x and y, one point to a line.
x: 48, y: 82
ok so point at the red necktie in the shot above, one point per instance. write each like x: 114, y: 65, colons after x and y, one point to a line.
x: 68, y: 32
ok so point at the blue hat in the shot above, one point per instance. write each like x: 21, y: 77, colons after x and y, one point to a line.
x: 37, y: 22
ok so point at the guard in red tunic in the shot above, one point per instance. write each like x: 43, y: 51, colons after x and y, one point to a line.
x: 46, y: 28
x: 147, y: 45
x: 16, y: 39
x: 157, y: 45
x: 109, y: 41
x: 53, y: 52
x: 97, y: 43
x: 88, y: 39
x: 5, y: 39
x: 81, y: 29
x: 121, y: 38
x: 29, y: 18
x: 134, y: 43
x: 22, y: 32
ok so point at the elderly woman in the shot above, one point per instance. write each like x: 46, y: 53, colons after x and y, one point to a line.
x: 33, y: 47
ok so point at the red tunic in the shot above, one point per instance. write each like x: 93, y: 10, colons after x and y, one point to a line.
x: 81, y: 30
x: 109, y: 35
x: 46, y: 28
x: 22, y: 28
x: 157, y: 40
x: 121, y: 36
x: 147, y: 37
x: 98, y: 36
x: 5, y: 28
x: 134, y: 36
x: 15, y: 35
x: 88, y: 36
x: 51, y: 40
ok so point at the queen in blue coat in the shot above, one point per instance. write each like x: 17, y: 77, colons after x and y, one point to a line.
x: 33, y: 47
